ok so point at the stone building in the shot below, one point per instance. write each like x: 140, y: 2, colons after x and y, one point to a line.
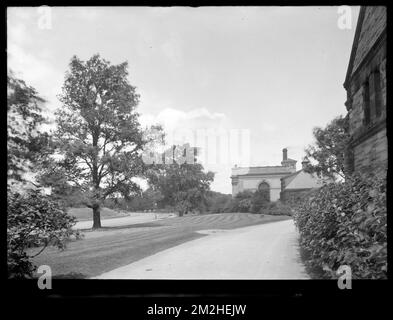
x: 365, y: 84
x: 281, y: 181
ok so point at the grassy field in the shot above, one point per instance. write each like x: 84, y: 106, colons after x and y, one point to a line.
x: 83, y: 214
x: 113, y: 247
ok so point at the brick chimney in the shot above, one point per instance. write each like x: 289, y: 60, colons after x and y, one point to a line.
x: 284, y: 154
x: 286, y: 162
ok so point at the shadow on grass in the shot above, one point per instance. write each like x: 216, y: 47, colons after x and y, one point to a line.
x: 128, y: 226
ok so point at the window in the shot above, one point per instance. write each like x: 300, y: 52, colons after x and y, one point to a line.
x: 264, y: 190
x: 366, y: 103
x: 376, y: 93
x: 372, y: 98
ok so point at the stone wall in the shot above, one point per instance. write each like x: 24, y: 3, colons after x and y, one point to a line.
x: 369, y: 148
x: 372, y: 154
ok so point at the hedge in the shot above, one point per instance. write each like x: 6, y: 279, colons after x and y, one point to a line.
x: 276, y: 209
x: 345, y: 224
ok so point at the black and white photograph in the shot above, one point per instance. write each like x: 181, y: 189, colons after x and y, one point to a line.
x: 196, y: 143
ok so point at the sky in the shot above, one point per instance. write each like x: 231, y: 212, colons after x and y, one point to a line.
x: 266, y: 75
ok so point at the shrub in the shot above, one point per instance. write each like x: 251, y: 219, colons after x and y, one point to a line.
x: 34, y: 219
x: 276, y: 209
x: 242, y: 202
x: 260, y: 199
x: 244, y: 205
x: 345, y: 224
x: 218, y: 202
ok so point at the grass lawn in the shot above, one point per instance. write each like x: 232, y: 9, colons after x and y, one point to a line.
x: 83, y: 214
x: 112, y: 247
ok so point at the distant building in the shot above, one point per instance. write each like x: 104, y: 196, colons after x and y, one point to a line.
x: 365, y: 84
x: 281, y: 181
x: 295, y: 185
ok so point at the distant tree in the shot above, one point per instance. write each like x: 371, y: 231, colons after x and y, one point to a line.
x: 98, y: 138
x: 330, y: 149
x: 26, y: 143
x: 183, y: 185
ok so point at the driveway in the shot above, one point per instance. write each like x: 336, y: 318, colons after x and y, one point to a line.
x: 267, y: 251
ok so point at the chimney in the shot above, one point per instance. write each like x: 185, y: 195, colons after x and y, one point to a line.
x: 284, y: 154
x: 305, y: 162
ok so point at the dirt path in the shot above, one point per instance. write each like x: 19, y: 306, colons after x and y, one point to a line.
x: 268, y: 251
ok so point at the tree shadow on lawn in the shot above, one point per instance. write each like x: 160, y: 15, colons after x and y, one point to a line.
x: 128, y: 226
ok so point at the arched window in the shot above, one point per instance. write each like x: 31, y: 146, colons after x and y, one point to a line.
x: 264, y: 188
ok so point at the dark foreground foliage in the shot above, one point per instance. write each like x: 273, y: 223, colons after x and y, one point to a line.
x: 345, y: 224
x: 34, y: 220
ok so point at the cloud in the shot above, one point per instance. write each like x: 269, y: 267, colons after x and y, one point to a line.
x: 173, y: 119
x: 35, y: 69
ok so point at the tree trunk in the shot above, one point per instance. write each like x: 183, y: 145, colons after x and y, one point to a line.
x: 96, y: 217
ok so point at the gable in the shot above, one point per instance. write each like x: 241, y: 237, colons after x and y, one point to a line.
x: 371, y: 24
x: 304, y: 180
x: 289, y: 178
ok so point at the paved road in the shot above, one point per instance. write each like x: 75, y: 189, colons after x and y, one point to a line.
x: 268, y: 251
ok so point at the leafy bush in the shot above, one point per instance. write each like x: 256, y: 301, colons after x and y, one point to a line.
x: 34, y: 219
x: 242, y: 202
x: 244, y: 205
x: 260, y: 199
x: 218, y: 202
x: 276, y: 209
x: 345, y: 224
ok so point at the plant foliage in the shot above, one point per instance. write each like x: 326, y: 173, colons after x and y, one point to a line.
x: 34, y: 220
x: 345, y: 224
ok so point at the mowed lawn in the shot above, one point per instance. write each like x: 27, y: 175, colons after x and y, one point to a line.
x: 104, y: 250
x: 83, y: 214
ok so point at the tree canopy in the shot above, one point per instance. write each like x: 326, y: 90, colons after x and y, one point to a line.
x: 33, y: 218
x: 183, y: 185
x: 26, y: 143
x: 99, y: 139
x: 330, y: 149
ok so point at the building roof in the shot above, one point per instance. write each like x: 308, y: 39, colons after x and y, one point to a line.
x: 287, y: 179
x: 302, y: 180
x: 242, y: 171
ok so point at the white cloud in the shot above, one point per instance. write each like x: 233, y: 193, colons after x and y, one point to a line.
x: 173, y: 119
x: 35, y: 69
